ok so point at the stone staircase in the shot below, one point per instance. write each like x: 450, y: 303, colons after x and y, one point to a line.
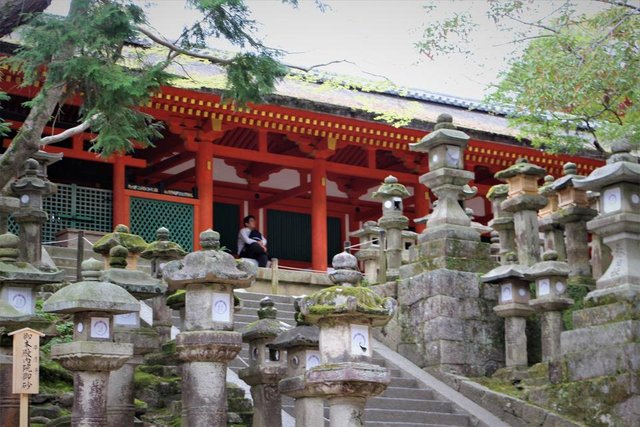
x: 406, y: 402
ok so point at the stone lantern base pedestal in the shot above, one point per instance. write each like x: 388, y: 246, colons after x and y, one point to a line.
x: 91, y: 362
x: 551, y: 323
x: 347, y: 386
x: 204, y: 372
x: 515, y: 336
x: 309, y: 408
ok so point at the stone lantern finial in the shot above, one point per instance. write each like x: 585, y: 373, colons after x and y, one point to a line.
x: 31, y: 167
x: 570, y: 168
x: 346, y: 271
x: 163, y: 234
x: 91, y: 270
x: 444, y: 121
x: 267, y: 309
x: 118, y: 257
x: 210, y: 240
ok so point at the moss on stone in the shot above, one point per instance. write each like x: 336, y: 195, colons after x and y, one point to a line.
x: 334, y: 300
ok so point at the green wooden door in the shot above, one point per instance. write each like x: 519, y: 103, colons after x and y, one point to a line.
x: 148, y: 215
x: 226, y: 221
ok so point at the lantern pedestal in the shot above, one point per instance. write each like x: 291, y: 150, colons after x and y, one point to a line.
x: 91, y: 362
x: 204, y: 374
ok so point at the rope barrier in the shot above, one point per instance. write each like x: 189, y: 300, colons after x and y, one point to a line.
x: 284, y: 267
x: 88, y: 241
x: 59, y: 241
x: 362, y: 243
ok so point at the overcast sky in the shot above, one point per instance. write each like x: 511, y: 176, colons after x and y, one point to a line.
x: 378, y: 36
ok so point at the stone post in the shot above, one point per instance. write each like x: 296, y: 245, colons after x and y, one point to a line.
x: 368, y: 253
x: 128, y: 328
x: 301, y: 345
x: 18, y: 283
x: 391, y: 193
x: 524, y: 201
x: 606, y: 330
x: 267, y: 366
x: 574, y: 212
x: 514, y: 306
x: 161, y: 251
x: 345, y: 315
x: 550, y: 277
x: 552, y: 230
x: 121, y: 236
x: 502, y: 221
x: 31, y: 190
x: 93, y: 352
x: 207, y: 342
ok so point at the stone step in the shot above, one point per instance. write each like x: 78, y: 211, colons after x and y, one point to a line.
x: 251, y: 296
x: 408, y: 393
x: 602, y: 314
x: 409, y: 404
x: 401, y: 424
x: 385, y: 415
x: 403, y: 382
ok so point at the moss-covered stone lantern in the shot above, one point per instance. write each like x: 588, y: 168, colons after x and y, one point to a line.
x: 369, y: 250
x: 552, y: 230
x: 207, y: 342
x: 345, y: 315
x: 393, y: 221
x: 159, y: 252
x: 513, y: 306
x: 267, y: 366
x: 550, y: 278
x: 301, y: 344
x: 502, y: 221
x: 524, y: 202
x: 573, y: 213
x: 31, y: 190
x: 123, y: 237
x: 93, y: 352
x: 128, y: 328
x: 18, y: 283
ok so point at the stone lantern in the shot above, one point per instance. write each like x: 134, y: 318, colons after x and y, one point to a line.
x: 31, y: 191
x: 502, y: 221
x: 121, y: 236
x: 513, y: 305
x: 18, y: 283
x: 93, y: 352
x: 524, y: 201
x: 573, y: 213
x: 552, y: 230
x: 161, y: 251
x: 618, y: 222
x: 345, y: 315
x: 267, y: 366
x: 550, y: 277
x: 368, y: 251
x: 448, y: 181
x: 207, y: 342
x: 129, y: 329
x: 301, y: 345
x: 391, y: 193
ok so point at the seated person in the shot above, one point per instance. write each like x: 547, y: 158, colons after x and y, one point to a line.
x: 251, y: 243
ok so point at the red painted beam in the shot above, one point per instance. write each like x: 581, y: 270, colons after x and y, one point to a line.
x: 283, y: 195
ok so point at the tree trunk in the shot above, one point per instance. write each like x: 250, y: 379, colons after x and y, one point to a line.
x: 17, y: 12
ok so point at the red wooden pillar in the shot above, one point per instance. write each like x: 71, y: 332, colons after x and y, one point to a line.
x: 120, y: 200
x: 319, y: 215
x: 204, y: 182
x: 421, y: 206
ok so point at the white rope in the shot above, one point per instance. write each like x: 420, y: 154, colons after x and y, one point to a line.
x: 87, y: 240
x: 361, y: 243
x: 59, y: 241
x: 284, y: 267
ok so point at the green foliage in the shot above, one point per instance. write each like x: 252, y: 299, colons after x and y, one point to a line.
x: 576, y: 83
x: 583, y: 78
x: 88, y: 54
x: 63, y: 324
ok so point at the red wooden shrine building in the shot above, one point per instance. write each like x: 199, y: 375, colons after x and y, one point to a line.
x: 304, y: 165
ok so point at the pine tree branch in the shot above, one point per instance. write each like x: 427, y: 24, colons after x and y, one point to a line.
x: 69, y: 132
x: 620, y: 4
